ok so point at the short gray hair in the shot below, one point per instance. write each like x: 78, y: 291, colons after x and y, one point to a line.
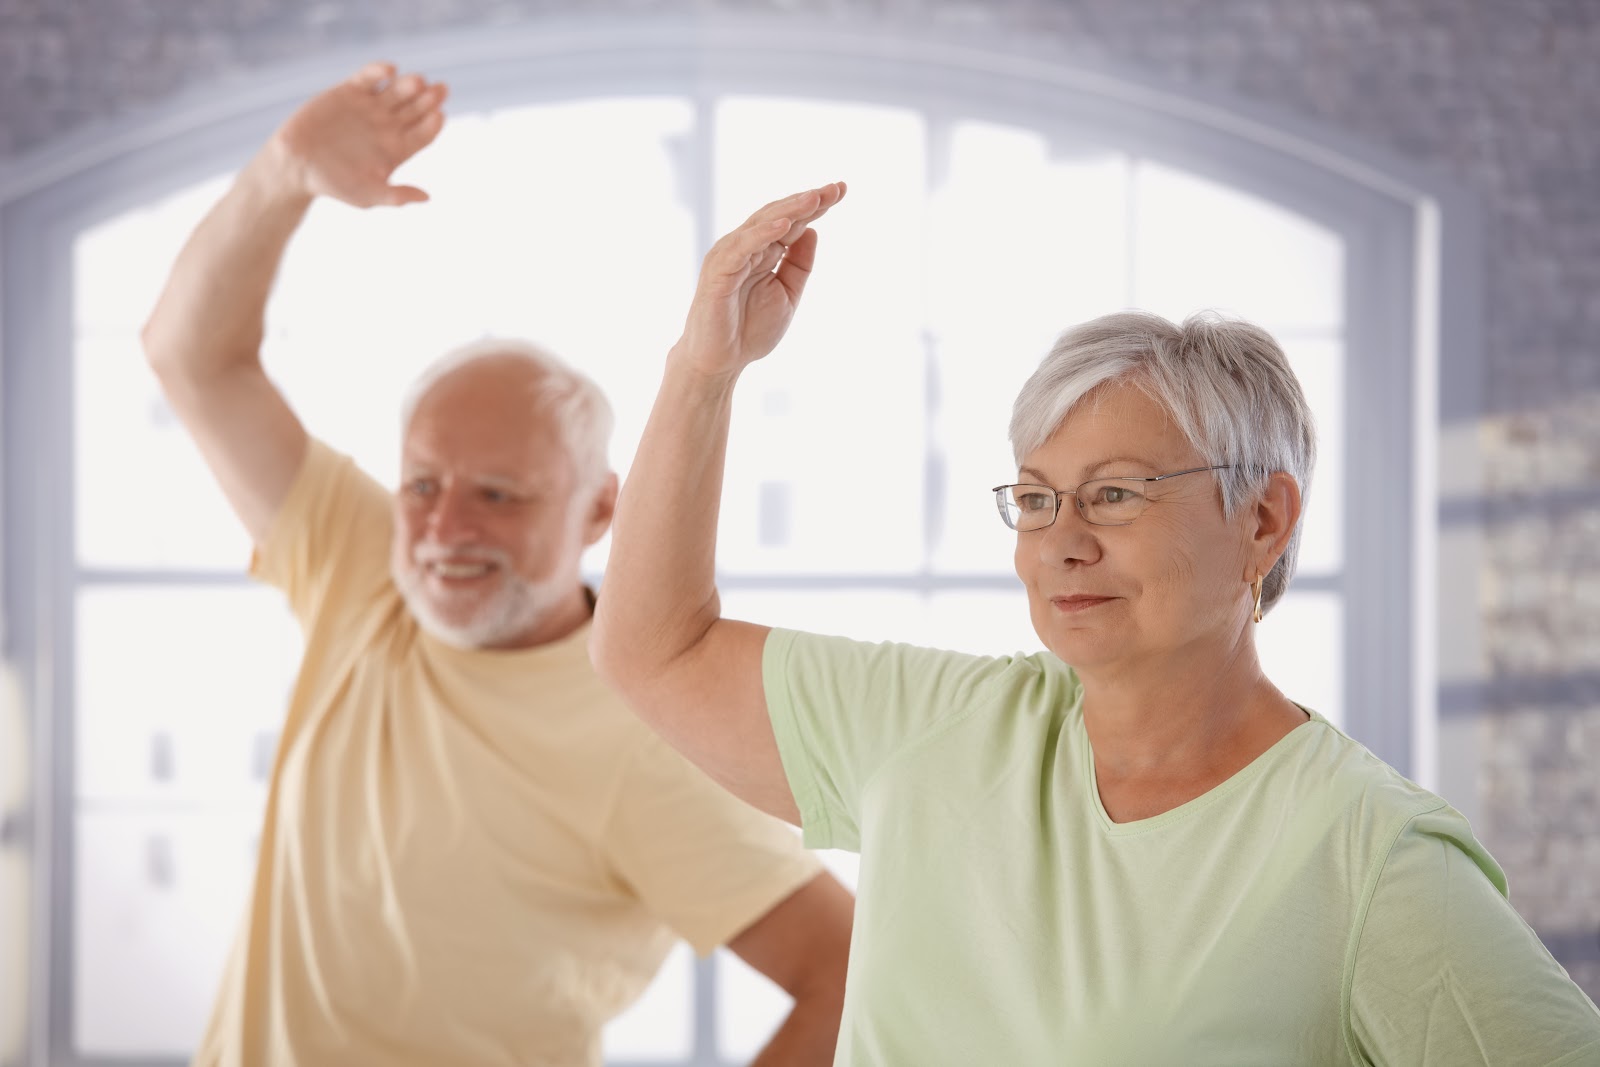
x: 1225, y: 382
x: 579, y: 408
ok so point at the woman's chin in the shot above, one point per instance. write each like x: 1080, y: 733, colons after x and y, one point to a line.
x: 1083, y: 649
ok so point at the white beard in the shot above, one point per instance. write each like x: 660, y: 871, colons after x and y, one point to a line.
x: 511, y: 610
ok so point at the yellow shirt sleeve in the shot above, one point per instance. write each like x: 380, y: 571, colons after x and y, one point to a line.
x: 699, y: 858
x: 329, y: 543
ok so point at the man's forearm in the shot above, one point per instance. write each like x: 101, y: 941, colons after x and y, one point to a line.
x: 209, y: 318
x: 807, y: 1036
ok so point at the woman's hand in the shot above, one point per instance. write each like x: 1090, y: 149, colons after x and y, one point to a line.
x: 750, y: 284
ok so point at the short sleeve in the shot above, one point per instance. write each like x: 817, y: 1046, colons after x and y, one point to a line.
x: 330, y: 539
x: 1447, y: 974
x: 699, y: 858
x: 841, y: 709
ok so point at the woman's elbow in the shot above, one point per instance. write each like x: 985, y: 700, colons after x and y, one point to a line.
x: 606, y: 652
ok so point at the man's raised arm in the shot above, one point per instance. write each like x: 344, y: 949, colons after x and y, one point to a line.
x: 204, y: 338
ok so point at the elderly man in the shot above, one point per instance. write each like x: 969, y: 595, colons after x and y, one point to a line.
x: 472, y: 852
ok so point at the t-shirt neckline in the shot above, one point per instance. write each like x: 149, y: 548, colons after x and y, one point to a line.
x: 1246, y: 774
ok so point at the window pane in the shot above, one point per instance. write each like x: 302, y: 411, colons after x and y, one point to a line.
x: 1031, y: 240
x: 1200, y: 245
x: 158, y: 899
x: 181, y: 692
x: 982, y: 622
x: 143, y: 497
x: 659, y: 1026
x: 825, y: 465
x: 561, y: 223
x: 1301, y: 645
x: 366, y: 299
x: 120, y: 265
x: 865, y: 446
x: 750, y: 1008
x: 1320, y: 367
x: 863, y: 615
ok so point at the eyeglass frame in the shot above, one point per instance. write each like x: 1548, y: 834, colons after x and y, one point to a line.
x: 1079, y: 505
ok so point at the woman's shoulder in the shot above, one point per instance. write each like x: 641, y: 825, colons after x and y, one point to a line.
x: 1338, y: 772
x: 950, y: 666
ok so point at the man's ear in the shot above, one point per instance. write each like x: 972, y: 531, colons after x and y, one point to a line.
x: 602, y: 506
x: 1272, y: 519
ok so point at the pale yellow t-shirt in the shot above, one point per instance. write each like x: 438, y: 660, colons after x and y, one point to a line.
x: 468, y: 857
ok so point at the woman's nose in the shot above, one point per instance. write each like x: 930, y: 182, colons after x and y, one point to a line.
x: 1071, y: 538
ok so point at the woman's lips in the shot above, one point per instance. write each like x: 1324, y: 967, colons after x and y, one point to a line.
x: 1074, y: 604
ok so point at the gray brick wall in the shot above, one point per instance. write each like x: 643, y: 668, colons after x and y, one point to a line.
x: 1504, y: 95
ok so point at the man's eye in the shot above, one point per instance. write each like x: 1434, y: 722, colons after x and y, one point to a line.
x: 497, y: 496
x: 422, y: 487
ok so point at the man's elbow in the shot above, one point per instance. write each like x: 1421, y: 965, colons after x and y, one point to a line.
x: 163, y: 346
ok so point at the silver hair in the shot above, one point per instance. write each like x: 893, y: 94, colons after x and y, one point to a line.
x: 571, y: 397
x: 1225, y: 382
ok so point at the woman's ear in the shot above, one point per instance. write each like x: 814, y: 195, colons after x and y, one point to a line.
x: 1272, y: 519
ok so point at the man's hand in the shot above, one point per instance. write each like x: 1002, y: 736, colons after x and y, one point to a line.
x: 345, y: 142
x: 750, y: 284
x: 204, y: 338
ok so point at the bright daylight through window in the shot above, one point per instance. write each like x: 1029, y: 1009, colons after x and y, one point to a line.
x: 964, y: 248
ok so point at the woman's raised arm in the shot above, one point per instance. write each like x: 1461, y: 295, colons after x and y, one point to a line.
x: 659, y: 637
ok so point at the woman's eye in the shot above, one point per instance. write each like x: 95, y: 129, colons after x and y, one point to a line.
x: 1116, y: 494
x: 1033, y: 502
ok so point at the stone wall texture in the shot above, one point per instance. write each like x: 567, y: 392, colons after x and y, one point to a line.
x: 1504, y: 96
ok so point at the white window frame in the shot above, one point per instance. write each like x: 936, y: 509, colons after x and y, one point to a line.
x: 1413, y: 262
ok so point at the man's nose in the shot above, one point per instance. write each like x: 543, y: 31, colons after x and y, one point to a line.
x: 452, y: 520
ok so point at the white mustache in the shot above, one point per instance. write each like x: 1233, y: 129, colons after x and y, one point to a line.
x: 425, y: 553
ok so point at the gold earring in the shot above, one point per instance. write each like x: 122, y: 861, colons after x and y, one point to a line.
x: 1256, y: 587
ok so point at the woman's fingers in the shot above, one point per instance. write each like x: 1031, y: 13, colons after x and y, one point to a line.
x: 814, y: 204
x: 739, y: 253
x: 767, y: 258
x: 795, y: 269
x: 782, y: 221
x: 803, y: 209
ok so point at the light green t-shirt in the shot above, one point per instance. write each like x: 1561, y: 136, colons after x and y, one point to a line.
x: 1316, y: 908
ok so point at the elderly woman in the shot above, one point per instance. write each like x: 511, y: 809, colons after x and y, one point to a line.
x: 1131, y: 849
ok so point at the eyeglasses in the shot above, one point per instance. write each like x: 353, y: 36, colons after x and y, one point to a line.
x: 1101, y: 501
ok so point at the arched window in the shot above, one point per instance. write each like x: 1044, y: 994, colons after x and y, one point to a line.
x: 995, y: 199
